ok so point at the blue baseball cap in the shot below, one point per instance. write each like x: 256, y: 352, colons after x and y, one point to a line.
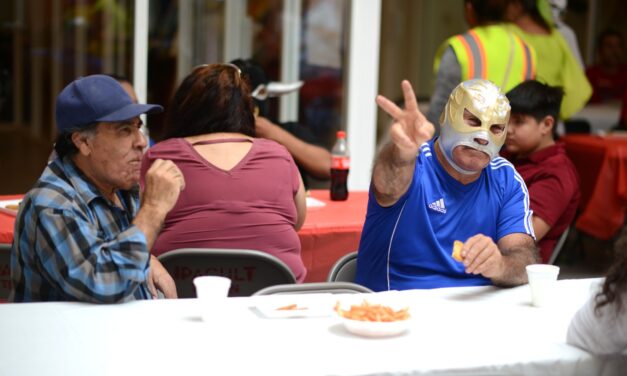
x: 96, y: 98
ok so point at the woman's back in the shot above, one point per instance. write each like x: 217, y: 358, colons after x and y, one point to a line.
x: 234, y: 198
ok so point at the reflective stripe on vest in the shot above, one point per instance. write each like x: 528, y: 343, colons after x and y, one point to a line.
x: 471, y: 53
x: 476, y: 54
x: 530, y: 68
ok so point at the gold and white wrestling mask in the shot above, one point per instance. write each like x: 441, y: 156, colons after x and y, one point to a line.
x: 484, y: 100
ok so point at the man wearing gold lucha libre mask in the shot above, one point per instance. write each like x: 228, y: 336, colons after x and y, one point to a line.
x: 426, y: 193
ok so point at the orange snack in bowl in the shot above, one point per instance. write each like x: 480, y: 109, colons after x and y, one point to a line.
x: 457, y: 250
x: 372, y: 312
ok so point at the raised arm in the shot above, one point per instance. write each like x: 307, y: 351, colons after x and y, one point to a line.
x: 394, y: 166
x: 163, y: 183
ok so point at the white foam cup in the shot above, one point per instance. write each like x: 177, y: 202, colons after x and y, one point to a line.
x: 211, y: 292
x: 542, y: 280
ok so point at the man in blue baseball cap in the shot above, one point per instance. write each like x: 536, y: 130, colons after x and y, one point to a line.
x: 80, y: 233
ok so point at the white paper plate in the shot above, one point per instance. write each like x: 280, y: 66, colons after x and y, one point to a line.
x: 376, y: 329
x: 4, y: 203
x: 296, y: 306
x: 314, y: 202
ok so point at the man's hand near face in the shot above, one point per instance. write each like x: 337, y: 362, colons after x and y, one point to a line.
x: 163, y: 184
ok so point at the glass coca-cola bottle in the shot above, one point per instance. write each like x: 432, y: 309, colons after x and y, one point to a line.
x: 340, y: 165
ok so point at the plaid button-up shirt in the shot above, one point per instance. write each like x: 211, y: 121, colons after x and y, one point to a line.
x: 73, y: 244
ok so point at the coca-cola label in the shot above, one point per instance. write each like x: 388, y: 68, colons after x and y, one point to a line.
x: 340, y: 163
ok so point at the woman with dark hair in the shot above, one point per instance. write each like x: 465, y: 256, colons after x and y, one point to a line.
x: 557, y: 66
x: 242, y: 192
x: 600, y: 326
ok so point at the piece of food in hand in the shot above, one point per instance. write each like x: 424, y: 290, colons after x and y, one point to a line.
x: 12, y: 207
x: 372, y: 312
x: 457, y: 250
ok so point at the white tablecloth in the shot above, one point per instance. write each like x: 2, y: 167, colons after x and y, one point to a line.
x: 463, y: 331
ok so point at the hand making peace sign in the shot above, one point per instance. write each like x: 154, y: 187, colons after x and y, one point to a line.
x: 411, y: 128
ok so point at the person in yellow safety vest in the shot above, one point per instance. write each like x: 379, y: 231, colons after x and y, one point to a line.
x: 557, y: 65
x: 488, y: 50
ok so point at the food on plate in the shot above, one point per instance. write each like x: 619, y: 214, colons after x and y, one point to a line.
x: 457, y: 250
x: 372, y: 312
x: 12, y: 206
x: 290, y: 307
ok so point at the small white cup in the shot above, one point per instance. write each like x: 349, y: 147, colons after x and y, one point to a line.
x: 542, y: 280
x: 211, y: 292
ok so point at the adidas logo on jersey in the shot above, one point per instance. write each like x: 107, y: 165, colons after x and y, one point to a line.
x: 438, y: 206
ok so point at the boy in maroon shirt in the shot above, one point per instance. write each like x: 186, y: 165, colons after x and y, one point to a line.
x: 550, y: 176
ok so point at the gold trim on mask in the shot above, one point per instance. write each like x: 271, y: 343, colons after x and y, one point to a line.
x: 485, y: 101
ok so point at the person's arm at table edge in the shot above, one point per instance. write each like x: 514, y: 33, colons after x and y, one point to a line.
x: 300, y: 199
x: 549, y: 198
x: 518, y: 250
x: 83, y: 276
x: 315, y: 159
x: 540, y: 227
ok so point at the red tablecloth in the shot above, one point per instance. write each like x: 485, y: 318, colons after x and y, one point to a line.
x: 329, y: 232
x: 602, y: 166
x: 6, y: 222
x: 6, y: 238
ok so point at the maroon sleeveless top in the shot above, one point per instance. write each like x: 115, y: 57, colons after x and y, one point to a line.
x: 250, y: 206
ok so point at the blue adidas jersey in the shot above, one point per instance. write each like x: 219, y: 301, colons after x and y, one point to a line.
x: 408, y: 245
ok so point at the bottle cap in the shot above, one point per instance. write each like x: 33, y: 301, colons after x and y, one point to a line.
x: 341, y: 134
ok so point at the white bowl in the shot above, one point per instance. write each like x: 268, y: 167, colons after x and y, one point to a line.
x: 373, y: 328
x: 376, y: 329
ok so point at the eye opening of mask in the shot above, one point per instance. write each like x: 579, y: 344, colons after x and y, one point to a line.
x: 497, y: 129
x: 471, y: 119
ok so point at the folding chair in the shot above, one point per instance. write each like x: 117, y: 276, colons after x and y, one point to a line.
x: 315, y: 288
x: 558, y: 246
x: 249, y: 270
x: 344, y: 269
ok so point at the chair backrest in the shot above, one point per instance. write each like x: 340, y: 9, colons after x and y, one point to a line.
x: 558, y: 246
x: 249, y: 270
x: 344, y: 269
x: 315, y: 288
x: 577, y: 126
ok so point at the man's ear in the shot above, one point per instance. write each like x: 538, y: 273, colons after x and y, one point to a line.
x: 82, y: 143
x: 547, y: 124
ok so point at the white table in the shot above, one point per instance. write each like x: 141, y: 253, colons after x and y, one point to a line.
x: 462, y: 331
